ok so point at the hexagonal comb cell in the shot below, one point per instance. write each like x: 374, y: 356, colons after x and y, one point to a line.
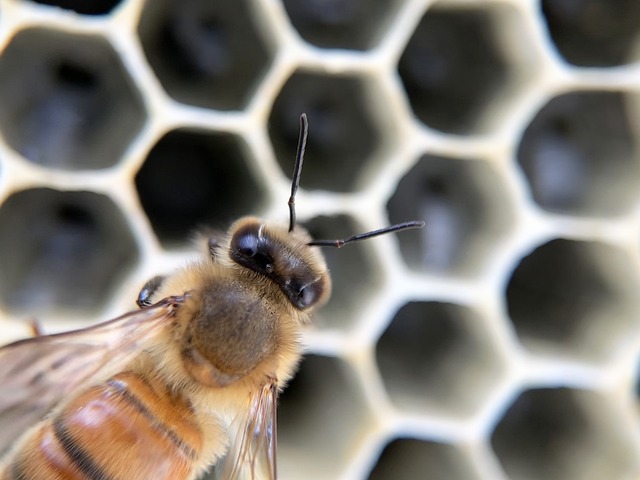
x: 66, y: 100
x: 437, y: 356
x: 574, y: 298
x: 194, y: 179
x: 409, y: 459
x: 354, y: 271
x: 579, y: 155
x: 455, y: 66
x: 352, y: 24
x: 94, y: 7
x: 594, y: 33
x: 463, y: 204
x: 564, y: 434
x: 61, y: 250
x: 322, y: 417
x: 208, y: 54
x: 344, y: 134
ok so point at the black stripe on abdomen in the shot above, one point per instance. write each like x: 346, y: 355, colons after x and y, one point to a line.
x: 80, y: 458
x: 165, y: 431
x: 17, y: 471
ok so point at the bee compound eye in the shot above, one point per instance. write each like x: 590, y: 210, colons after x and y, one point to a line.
x: 307, y: 296
x: 247, y: 244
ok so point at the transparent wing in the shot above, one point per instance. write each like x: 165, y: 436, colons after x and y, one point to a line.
x: 35, y: 374
x: 252, y: 454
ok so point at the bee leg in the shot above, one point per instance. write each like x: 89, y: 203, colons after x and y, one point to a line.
x: 36, y: 328
x: 211, y: 241
x: 214, y: 248
x: 148, y: 289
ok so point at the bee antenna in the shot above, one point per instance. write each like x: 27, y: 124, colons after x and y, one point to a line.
x: 297, y: 169
x: 363, y: 236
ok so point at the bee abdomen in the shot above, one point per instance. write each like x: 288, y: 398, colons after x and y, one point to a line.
x: 126, y: 428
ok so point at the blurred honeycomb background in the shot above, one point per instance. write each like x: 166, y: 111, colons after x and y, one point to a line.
x: 500, y: 342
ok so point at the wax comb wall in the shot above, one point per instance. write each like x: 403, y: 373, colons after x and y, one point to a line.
x: 500, y: 342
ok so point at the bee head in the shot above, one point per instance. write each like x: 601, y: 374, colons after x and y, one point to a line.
x: 283, y: 256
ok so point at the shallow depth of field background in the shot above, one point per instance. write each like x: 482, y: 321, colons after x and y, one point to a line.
x: 500, y: 342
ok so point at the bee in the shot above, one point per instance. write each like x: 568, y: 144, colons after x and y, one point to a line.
x: 188, y: 381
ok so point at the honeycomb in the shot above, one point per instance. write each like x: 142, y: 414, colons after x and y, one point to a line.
x: 501, y: 342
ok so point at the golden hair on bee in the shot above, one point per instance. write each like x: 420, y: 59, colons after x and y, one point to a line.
x: 188, y: 381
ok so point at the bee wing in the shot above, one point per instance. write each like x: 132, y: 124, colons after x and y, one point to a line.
x: 37, y: 373
x: 252, y: 454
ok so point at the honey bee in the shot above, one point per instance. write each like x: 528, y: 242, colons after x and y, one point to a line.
x: 188, y: 381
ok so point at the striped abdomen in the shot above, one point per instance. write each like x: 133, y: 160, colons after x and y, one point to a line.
x: 126, y: 428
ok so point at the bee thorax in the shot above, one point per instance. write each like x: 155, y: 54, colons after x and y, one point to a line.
x: 233, y: 331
